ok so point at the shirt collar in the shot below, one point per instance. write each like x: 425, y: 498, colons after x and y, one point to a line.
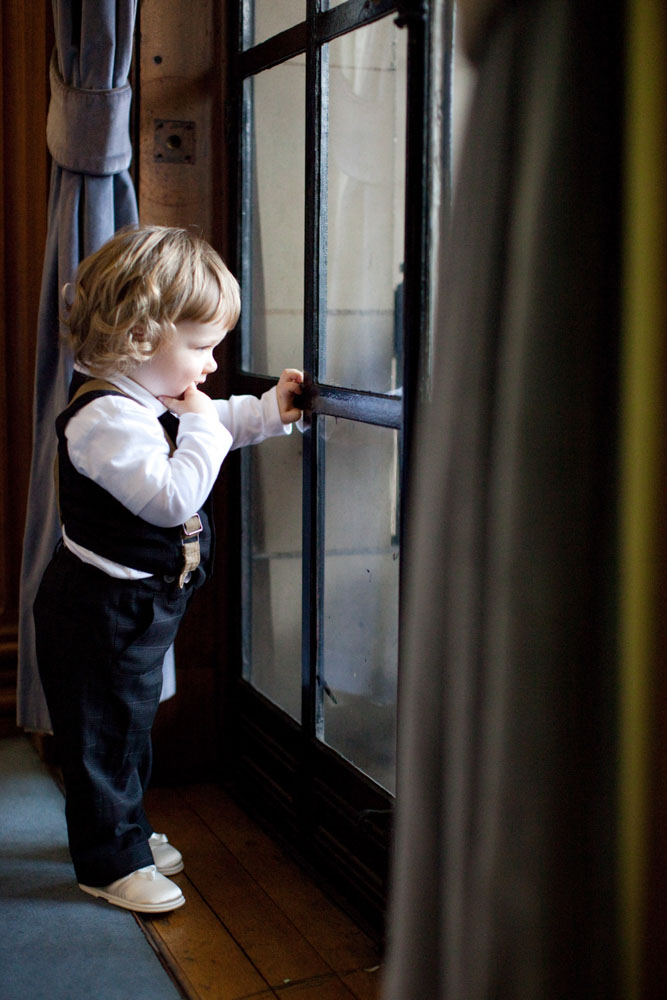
x: 136, y: 391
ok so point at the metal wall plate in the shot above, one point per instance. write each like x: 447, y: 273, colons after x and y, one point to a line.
x: 173, y: 141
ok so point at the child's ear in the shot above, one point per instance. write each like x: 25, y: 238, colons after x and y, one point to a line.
x: 141, y: 341
x: 138, y: 335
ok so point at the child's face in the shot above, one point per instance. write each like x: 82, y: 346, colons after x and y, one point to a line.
x: 184, y: 359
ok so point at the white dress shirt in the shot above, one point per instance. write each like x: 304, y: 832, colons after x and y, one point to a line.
x: 119, y: 443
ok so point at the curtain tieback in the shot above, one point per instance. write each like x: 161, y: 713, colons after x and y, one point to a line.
x: 88, y: 131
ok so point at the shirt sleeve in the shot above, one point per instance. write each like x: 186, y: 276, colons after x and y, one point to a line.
x: 120, y: 444
x: 250, y: 420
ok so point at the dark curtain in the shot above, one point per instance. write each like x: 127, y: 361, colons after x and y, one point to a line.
x: 503, y: 879
x: 91, y: 196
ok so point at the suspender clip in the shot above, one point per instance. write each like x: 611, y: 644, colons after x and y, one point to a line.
x: 192, y: 526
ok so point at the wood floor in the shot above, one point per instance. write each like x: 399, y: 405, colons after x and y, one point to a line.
x: 254, y: 925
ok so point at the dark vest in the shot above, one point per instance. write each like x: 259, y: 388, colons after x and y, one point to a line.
x: 93, y: 518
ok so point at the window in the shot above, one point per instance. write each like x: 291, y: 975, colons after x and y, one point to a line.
x: 332, y: 131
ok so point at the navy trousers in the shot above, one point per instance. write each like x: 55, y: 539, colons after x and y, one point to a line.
x: 101, y: 643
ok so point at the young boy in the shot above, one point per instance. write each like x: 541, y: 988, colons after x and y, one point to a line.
x: 139, y: 449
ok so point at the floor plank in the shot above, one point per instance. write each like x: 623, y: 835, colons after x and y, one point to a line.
x: 266, y: 935
x: 335, y: 936
x: 364, y: 983
x: 324, y: 988
x: 255, y: 926
x: 200, y: 953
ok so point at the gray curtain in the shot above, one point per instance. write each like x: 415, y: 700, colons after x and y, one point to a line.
x: 503, y: 877
x: 91, y: 196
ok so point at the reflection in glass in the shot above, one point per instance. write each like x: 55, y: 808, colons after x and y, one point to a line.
x: 270, y: 17
x: 365, y: 193
x: 359, y: 646
x: 272, y: 567
x: 272, y: 279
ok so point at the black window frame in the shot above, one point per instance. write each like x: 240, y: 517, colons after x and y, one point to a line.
x: 334, y: 817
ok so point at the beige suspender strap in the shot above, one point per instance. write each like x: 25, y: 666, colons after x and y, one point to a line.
x: 190, y: 532
x: 192, y: 528
x: 94, y: 385
x: 91, y: 386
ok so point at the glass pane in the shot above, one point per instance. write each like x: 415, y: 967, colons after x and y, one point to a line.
x: 272, y: 315
x: 359, y: 650
x: 272, y: 567
x: 365, y: 208
x: 270, y: 17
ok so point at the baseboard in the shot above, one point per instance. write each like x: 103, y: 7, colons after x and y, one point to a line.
x: 8, y: 667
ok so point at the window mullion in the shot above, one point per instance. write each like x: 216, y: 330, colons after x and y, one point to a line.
x: 416, y: 267
x: 312, y: 513
x: 246, y: 229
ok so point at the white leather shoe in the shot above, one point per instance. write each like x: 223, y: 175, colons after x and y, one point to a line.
x: 167, y: 859
x: 145, y: 891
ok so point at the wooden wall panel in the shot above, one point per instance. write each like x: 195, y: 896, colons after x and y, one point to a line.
x: 26, y: 39
x: 179, y: 78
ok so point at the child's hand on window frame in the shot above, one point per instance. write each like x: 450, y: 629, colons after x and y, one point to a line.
x: 289, y: 386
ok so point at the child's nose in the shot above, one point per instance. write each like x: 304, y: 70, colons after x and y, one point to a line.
x: 211, y: 366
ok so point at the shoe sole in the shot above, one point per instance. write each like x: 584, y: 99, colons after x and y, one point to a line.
x: 127, y: 905
x: 174, y: 870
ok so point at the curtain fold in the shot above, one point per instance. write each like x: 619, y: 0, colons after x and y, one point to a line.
x: 503, y: 877
x: 91, y: 196
x: 643, y: 624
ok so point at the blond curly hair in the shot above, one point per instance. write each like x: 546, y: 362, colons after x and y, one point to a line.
x: 127, y: 296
